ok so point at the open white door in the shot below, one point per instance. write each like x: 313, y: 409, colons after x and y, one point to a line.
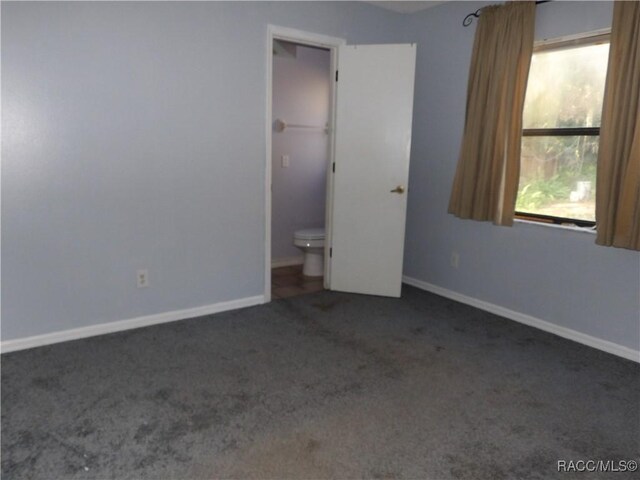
x: 373, y: 139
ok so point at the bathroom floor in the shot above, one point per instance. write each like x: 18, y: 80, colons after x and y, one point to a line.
x: 289, y: 282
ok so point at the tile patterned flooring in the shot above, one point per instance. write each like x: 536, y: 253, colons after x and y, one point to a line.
x: 289, y: 282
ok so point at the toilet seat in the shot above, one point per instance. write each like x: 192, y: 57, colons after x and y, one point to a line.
x: 309, y: 238
x: 309, y: 234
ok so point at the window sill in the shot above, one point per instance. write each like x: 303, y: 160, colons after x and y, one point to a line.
x: 590, y: 230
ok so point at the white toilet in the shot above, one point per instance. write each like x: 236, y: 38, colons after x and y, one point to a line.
x: 311, y: 242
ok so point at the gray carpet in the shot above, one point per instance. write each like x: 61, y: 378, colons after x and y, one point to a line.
x: 326, y: 385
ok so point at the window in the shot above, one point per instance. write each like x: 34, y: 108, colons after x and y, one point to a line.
x: 561, y: 125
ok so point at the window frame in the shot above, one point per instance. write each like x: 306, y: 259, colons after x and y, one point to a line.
x: 564, y: 43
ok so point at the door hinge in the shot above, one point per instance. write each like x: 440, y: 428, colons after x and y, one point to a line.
x: 331, y: 252
x: 336, y: 75
x: 333, y: 167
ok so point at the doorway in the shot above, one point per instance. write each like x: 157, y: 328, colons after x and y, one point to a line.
x: 300, y: 158
x: 300, y: 107
x: 369, y: 138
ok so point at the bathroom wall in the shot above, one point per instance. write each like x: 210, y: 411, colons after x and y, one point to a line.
x: 301, y: 89
x: 556, y: 275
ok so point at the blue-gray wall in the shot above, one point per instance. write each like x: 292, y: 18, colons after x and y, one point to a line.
x: 134, y: 136
x: 555, y: 275
x: 301, y: 94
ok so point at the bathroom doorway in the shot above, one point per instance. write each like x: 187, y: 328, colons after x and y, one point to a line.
x: 300, y: 150
x: 369, y: 143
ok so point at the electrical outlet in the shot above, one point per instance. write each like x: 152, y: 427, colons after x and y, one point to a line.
x: 455, y: 259
x: 143, y: 278
x: 285, y: 161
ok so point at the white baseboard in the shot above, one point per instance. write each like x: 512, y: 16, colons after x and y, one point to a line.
x: 604, y: 345
x: 287, y: 261
x: 118, y: 326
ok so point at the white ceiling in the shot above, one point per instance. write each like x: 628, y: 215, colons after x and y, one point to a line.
x: 402, y: 6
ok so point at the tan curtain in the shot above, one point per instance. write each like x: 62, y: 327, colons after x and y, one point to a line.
x: 486, y: 180
x: 618, y: 180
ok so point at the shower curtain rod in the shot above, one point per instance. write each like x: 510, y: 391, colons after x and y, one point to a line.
x: 281, y: 125
x: 469, y: 18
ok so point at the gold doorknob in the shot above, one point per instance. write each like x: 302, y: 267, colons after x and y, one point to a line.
x: 399, y: 189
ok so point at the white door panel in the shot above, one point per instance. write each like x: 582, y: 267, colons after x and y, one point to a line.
x: 372, y: 145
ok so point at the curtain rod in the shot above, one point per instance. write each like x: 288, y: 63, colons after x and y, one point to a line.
x: 469, y: 18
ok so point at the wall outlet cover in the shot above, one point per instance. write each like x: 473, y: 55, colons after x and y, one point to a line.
x: 143, y: 278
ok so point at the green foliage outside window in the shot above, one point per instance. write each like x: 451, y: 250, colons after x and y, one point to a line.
x: 558, y: 173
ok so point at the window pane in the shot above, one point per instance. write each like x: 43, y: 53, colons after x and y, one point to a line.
x: 566, y: 87
x: 558, y: 176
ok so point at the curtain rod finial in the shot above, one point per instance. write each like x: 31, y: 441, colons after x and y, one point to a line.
x: 469, y: 18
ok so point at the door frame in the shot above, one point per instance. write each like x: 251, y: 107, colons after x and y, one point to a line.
x: 275, y: 32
